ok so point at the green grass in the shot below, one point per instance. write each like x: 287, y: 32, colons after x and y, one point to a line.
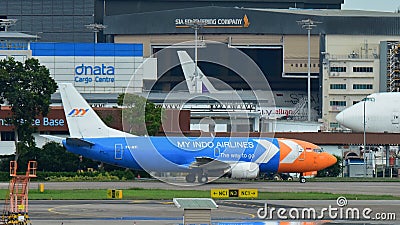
x: 159, y: 194
x: 353, y: 179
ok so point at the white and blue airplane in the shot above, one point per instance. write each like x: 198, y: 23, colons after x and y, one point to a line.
x: 198, y: 157
x: 377, y: 113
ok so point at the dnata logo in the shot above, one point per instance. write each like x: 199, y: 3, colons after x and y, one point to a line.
x: 94, y: 70
x: 78, y: 112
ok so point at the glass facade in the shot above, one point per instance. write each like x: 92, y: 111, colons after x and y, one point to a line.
x: 92, y: 68
x: 51, y: 20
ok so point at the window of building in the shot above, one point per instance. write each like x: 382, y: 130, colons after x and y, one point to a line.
x: 338, y: 69
x: 362, y: 69
x: 355, y: 102
x: 362, y: 86
x: 337, y: 103
x: 338, y: 86
x: 333, y: 125
x: 7, y: 136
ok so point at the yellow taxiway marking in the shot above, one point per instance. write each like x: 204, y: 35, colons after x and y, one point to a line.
x: 236, y: 212
x: 167, y: 203
x: 53, y: 210
x: 139, y: 201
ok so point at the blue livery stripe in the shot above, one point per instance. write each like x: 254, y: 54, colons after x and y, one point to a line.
x: 86, y: 49
x: 143, y: 152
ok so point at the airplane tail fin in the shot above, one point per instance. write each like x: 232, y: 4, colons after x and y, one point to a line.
x: 188, y: 67
x: 83, y: 122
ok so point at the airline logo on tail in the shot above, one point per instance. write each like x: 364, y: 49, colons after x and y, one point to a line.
x: 78, y: 112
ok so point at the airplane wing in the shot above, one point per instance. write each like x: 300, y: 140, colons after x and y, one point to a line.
x: 209, y: 164
x: 79, y: 142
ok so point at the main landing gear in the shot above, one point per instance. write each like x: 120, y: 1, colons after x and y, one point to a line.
x: 191, y: 178
x: 201, y: 178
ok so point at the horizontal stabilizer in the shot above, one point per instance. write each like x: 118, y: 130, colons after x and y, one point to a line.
x: 79, y: 142
x: 53, y: 138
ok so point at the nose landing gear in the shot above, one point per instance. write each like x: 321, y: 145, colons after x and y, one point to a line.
x: 202, y: 178
x: 302, y: 178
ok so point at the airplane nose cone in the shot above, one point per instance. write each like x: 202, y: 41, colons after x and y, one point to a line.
x: 340, y: 117
x: 352, y: 117
x: 326, y: 160
x: 331, y: 160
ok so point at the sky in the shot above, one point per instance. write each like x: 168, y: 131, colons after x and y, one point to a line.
x: 374, y: 5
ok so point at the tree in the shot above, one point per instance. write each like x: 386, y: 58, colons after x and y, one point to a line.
x: 332, y: 171
x: 27, y: 88
x: 139, y: 115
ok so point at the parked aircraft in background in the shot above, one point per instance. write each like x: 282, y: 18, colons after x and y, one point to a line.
x: 283, y: 102
x: 236, y: 157
x: 195, y: 84
x: 380, y: 110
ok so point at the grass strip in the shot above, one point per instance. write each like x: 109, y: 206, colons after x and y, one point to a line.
x: 160, y: 194
x: 353, y: 179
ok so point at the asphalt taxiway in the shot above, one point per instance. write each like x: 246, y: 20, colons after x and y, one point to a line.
x: 146, y: 212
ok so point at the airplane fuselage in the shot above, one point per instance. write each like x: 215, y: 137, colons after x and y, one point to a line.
x: 199, y: 157
x: 379, y: 111
x: 178, y: 154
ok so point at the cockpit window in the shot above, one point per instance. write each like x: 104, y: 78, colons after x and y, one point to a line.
x: 318, y: 150
x: 370, y: 99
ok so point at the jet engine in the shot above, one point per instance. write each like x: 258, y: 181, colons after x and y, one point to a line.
x: 247, y: 170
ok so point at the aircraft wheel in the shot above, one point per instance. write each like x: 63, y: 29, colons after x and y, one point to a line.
x: 202, y: 178
x: 190, y: 178
x: 276, y: 177
x: 302, y: 180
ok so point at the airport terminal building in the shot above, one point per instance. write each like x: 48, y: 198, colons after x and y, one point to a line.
x: 353, y: 53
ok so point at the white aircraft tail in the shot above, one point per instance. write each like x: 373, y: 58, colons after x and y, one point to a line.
x: 83, y: 122
x: 194, y: 85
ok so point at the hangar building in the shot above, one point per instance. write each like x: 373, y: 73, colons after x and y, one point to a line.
x: 349, y: 49
x: 352, y: 52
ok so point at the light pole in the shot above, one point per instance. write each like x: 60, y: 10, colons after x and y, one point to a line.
x: 96, y: 28
x: 196, y: 25
x: 364, y: 140
x: 364, y: 130
x: 308, y: 24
